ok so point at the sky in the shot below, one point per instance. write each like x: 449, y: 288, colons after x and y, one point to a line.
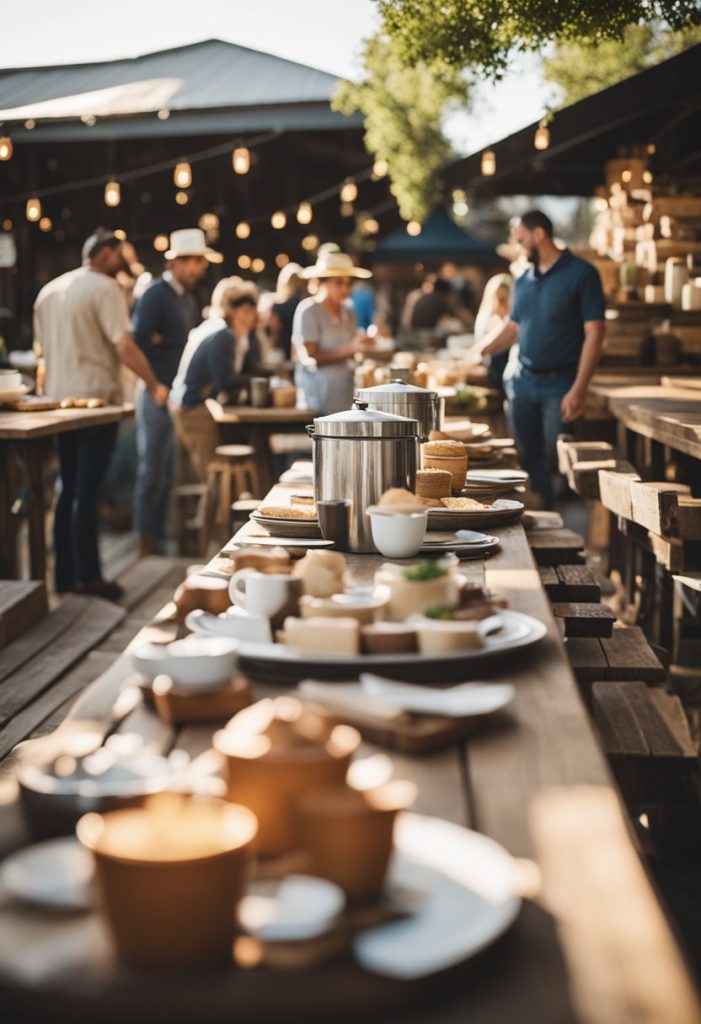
x: 327, y: 34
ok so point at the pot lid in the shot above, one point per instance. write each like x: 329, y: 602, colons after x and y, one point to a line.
x: 393, y: 389
x: 364, y: 422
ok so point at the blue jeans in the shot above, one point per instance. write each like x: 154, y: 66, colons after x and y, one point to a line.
x: 536, y: 420
x: 155, y: 448
x: 84, y: 456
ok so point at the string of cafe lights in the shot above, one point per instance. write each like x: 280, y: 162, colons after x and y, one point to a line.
x: 303, y: 210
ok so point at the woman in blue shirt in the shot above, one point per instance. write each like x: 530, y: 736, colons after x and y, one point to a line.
x: 222, y: 365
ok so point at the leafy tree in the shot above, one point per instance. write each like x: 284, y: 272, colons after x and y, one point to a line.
x: 404, y: 108
x: 578, y: 70
x: 481, y: 34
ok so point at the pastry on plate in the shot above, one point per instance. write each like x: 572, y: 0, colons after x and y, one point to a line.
x: 270, y: 560
x: 388, y: 638
x: 288, y: 511
x: 434, y: 483
x: 324, y: 635
x: 465, y: 504
x: 322, y: 573
x: 414, y: 589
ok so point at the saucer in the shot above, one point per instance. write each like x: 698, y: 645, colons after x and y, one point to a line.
x: 56, y: 874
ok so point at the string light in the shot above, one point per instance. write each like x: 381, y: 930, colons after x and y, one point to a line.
x: 163, y: 115
x: 349, y: 192
x: 413, y: 228
x: 244, y: 261
x: 208, y: 222
x: 541, y: 139
x: 182, y: 198
x: 243, y: 229
x: 160, y: 243
x: 258, y: 265
x: 626, y: 175
x: 647, y: 177
x: 5, y: 147
x: 241, y: 160
x: 651, y: 147
x: 120, y: 234
x: 278, y: 220
x: 600, y: 204
x: 182, y: 175
x: 310, y: 243
x: 371, y: 226
x: 113, y: 193
x: 488, y: 163
x: 33, y: 208
x: 30, y: 124
x: 45, y: 224
x: 304, y: 213
x: 347, y: 209
x: 281, y: 260
x: 380, y: 168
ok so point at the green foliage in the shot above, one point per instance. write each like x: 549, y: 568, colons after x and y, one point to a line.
x: 426, y: 570
x: 578, y: 70
x: 480, y: 34
x: 404, y: 108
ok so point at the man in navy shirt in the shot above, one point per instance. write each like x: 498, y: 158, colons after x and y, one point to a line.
x: 163, y: 317
x: 557, y: 317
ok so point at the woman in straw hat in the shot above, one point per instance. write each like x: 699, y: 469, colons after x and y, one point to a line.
x: 325, y: 334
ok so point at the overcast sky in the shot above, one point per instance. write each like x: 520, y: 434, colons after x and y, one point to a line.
x: 327, y: 34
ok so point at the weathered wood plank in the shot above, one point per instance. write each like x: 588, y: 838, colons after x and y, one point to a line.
x: 22, y: 604
x: 630, y: 657
x: 578, y: 583
x: 556, y: 547
x: 614, y: 491
x: 618, y: 726
x: 584, y: 618
x: 587, y: 659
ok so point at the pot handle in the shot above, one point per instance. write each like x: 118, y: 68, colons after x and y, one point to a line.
x: 310, y: 429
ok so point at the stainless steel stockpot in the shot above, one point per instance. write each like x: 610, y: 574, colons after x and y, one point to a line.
x: 402, y: 399
x: 358, y: 455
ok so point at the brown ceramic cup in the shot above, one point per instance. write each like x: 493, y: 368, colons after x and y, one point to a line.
x: 348, y: 835
x: 169, y: 876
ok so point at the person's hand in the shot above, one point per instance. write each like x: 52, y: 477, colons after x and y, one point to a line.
x: 159, y: 394
x: 363, y: 344
x: 571, y: 405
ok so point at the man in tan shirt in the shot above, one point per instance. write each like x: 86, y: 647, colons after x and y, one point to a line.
x: 82, y: 323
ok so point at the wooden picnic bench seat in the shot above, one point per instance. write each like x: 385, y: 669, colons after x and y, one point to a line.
x: 556, y: 547
x: 570, y: 583
x: 624, y: 656
x: 22, y: 603
x: 587, y: 619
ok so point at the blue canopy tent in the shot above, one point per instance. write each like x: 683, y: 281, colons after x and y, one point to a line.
x: 440, y: 239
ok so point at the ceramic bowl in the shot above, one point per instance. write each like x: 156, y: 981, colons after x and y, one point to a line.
x: 196, y: 661
x: 398, y: 535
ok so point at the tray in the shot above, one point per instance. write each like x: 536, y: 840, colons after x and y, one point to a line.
x: 503, y: 510
x: 302, y: 528
x: 279, y: 661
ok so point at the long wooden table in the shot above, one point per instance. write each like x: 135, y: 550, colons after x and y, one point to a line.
x: 27, y: 436
x: 591, y: 944
x: 669, y: 416
x: 256, y: 427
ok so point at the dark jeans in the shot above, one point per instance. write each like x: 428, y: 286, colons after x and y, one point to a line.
x: 155, y: 445
x: 536, y: 420
x: 84, y: 457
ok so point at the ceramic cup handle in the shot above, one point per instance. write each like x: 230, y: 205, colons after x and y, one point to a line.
x: 237, y: 586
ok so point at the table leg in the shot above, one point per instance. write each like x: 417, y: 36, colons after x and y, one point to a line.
x: 8, y: 531
x: 32, y: 456
x: 259, y: 439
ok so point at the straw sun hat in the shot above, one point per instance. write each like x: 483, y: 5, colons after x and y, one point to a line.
x: 335, y: 264
x: 191, y: 242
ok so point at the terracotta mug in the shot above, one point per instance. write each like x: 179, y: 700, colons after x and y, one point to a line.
x: 169, y: 876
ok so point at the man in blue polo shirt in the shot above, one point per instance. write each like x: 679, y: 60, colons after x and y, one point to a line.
x: 557, y: 318
x: 163, y: 318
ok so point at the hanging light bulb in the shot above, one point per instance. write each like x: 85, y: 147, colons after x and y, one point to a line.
x: 160, y: 243
x: 281, y: 260
x: 182, y: 175
x: 413, y: 228
x: 541, y: 139
x: 243, y: 229
x: 113, y: 193
x: 310, y: 243
x: 241, y: 160
x: 489, y: 163
x: 208, y: 222
x: 45, y: 224
x: 647, y: 177
x: 380, y: 168
x: 5, y: 147
x: 347, y: 209
x: 258, y: 265
x: 349, y: 192
x: 278, y: 220
x: 304, y: 213
x: 626, y: 175
x: 244, y: 261
x: 120, y: 234
x: 30, y: 124
x: 182, y: 198
x: 33, y: 209
x: 371, y: 226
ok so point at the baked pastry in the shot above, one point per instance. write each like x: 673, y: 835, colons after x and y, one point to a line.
x: 322, y: 573
x: 270, y: 560
x: 302, y: 499
x: 444, y: 447
x: 324, y: 635
x: 441, y: 636
x: 364, y: 609
x: 446, y: 455
x: 434, y: 483
x: 33, y: 404
x: 414, y: 589
x: 205, y: 592
x: 288, y: 511
x: 467, y: 504
x: 388, y: 638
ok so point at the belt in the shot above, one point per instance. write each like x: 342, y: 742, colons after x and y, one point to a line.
x: 558, y: 371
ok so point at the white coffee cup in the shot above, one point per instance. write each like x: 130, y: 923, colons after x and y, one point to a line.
x: 272, y: 595
x: 10, y: 380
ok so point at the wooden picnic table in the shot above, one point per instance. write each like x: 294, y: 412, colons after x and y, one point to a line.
x: 591, y: 944
x: 27, y: 437
x: 257, y: 426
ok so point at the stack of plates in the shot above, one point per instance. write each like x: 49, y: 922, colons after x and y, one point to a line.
x: 500, y: 512
x: 493, y: 481
x: 284, y: 527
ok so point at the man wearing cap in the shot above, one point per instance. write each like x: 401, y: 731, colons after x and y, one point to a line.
x: 557, y: 317
x: 82, y: 323
x: 163, y: 317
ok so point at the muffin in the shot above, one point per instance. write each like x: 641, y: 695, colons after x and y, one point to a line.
x: 434, y: 483
x: 450, y: 456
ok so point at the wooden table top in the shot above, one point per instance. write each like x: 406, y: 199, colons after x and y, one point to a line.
x: 670, y: 415
x: 590, y: 945
x: 26, y: 426
x: 268, y: 416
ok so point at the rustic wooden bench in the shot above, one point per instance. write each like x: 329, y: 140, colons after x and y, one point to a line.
x: 556, y: 547
x: 22, y: 603
x: 624, y: 656
x: 570, y: 583
x: 584, y: 619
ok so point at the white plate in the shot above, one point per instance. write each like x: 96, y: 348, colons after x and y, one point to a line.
x: 502, y: 510
x: 298, y: 908
x: 466, y: 700
x: 467, y: 899
x: 279, y: 527
x: 14, y: 394
x: 57, y: 874
x: 496, y: 476
x: 518, y: 631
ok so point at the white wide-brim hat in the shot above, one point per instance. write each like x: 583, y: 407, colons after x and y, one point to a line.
x: 191, y: 242
x: 335, y: 264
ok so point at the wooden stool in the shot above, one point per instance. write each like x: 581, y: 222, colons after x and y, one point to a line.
x: 231, y: 474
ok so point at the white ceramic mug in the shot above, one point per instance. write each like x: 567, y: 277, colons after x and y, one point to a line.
x: 272, y: 595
